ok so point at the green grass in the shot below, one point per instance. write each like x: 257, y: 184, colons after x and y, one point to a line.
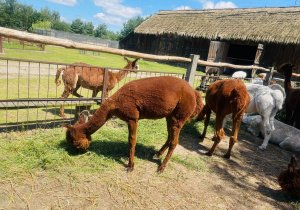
x: 29, y: 152
x: 64, y: 55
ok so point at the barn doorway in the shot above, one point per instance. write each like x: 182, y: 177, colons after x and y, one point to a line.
x: 240, y: 55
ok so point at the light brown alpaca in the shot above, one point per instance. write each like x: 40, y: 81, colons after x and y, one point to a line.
x: 292, y: 100
x: 90, y: 77
x: 148, y: 98
x: 225, y: 97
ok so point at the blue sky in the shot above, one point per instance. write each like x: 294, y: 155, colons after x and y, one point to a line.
x: 115, y: 12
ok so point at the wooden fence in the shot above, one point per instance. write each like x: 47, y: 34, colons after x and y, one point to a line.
x: 30, y: 97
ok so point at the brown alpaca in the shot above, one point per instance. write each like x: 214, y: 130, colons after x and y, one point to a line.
x: 89, y: 77
x: 148, y: 98
x: 292, y: 101
x: 289, y: 179
x: 225, y: 97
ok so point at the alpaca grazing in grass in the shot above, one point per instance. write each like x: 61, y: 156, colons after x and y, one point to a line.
x: 225, y: 97
x: 89, y: 77
x: 286, y: 136
x: 289, y: 179
x: 292, y: 96
x: 266, y: 100
x: 148, y: 98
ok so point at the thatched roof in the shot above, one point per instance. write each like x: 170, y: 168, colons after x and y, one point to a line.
x: 279, y: 25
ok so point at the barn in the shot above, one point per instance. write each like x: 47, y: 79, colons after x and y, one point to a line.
x: 262, y: 36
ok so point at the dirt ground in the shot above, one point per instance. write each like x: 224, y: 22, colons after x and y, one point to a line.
x: 248, y: 180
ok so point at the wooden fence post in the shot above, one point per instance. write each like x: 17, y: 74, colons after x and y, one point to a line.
x: 191, y: 70
x: 1, y: 45
x: 269, y: 76
x: 259, y: 50
x: 105, y: 76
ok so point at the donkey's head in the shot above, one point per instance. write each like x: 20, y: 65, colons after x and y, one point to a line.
x: 286, y: 69
x: 75, y: 134
x: 132, y: 64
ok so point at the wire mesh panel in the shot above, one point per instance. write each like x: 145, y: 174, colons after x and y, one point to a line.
x: 34, y: 92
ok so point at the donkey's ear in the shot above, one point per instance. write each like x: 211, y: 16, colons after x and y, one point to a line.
x: 136, y: 60
x: 84, y: 117
x: 126, y: 59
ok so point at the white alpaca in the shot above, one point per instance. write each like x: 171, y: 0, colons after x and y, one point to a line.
x: 239, y: 75
x: 286, y: 136
x: 266, y: 100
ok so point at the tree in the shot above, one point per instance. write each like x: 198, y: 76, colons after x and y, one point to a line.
x: 55, y: 16
x: 101, y: 30
x: 60, y: 26
x: 131, y: 24
x: 88, y: 28
x: 77, y: 26
x: 46, y: 14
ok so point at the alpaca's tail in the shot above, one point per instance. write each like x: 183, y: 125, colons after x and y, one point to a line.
x: 279, y: 98
x: 57, y: 80
x: 199, y: 104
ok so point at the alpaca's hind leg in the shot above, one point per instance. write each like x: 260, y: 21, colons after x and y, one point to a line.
x: 236, y: 122
x: 74, y: 92
x: 65, y: 94
x: 132, y: 128
x: 206, y: 122
x: 175, y: 130
x: 218, y: 135
x: 166, y: 145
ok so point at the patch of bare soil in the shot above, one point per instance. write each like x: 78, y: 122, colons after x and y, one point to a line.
x: 248, y: 180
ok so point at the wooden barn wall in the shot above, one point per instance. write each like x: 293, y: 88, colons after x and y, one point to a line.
x: 277, y: 54
x: 170, y: 44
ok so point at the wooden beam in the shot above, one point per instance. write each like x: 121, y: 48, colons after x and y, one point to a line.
x: 11, y: 33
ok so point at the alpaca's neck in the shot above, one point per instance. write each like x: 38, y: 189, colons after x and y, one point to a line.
x: 287, y: 83
x: 98, y: 120
x: 121, y: 75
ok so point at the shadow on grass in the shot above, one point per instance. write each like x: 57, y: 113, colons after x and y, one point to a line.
x: 116, y: 150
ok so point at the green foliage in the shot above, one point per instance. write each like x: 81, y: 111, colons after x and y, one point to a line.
x: 41, y: 24
x: 60, y: 26
x: 131, y: 24
x: 88, y: 28
x: 77, y: 26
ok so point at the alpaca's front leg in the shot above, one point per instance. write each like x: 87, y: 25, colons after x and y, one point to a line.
x: 132, y: 129
x: 266, y: 141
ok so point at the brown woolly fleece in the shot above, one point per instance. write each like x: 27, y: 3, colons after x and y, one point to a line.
x: 289, y: 179
x: 90, y: 77
x: 149, y: 98
x: 225, y: 97
x: 292, y: 96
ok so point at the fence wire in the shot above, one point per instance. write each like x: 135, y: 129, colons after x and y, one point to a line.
x: 30, y: 98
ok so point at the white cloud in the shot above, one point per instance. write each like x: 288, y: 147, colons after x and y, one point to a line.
x: 115, y: 8
x: 109, y: 19
x: 182, y: 8
x: 64, y: 2
x: 219, y: 5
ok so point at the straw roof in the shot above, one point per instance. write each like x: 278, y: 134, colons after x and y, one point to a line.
x: 276, y: 24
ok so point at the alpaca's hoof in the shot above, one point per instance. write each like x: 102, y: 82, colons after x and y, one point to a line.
x: 226, y: 156
x: 63, y: 116
x: 262, y: 147
x: 160, y: 170
x: 156, y: 156
x: 129, y: 169
x: 208, y: 154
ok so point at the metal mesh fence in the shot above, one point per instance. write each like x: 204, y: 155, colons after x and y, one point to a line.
x: 78, y: 38
x: 30, y: 98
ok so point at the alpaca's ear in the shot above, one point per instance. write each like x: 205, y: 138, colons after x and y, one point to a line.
x: 291, y: 169
x: 84, y: 117
x: 293, y: 69
x: 294, y: 161
x: 126, y: 59
x: 66, y: 126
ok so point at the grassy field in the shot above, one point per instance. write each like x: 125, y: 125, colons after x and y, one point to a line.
x: 39, y: 170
